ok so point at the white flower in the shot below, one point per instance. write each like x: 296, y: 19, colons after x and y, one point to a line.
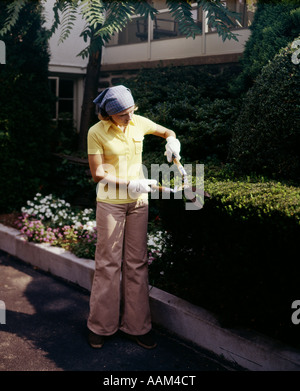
x: 89, y: 226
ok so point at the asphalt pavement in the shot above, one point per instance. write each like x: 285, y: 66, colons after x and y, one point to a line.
x: 45, y: 330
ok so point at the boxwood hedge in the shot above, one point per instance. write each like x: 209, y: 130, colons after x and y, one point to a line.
x: 238, y: 256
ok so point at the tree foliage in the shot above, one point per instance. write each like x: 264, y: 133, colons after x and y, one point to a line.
x: 25, y: 126
x: 106, y: 17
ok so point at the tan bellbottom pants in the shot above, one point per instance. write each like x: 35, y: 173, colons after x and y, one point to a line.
x: 122, y: 235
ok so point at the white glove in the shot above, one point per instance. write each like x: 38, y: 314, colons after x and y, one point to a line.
x: 172, y: 148
x: 138, y: 186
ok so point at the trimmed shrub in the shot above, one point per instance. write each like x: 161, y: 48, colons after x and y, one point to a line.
x: 238, y: 255
x: 266, y: 137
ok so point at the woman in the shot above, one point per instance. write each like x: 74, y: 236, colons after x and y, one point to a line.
x: 115, y: 157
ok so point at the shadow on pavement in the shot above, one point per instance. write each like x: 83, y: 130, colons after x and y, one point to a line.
x: 45, y: 330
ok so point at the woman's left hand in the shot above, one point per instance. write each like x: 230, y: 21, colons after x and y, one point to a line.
x: 172, y: 148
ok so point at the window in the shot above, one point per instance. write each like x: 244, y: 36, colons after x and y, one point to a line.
x: 164, y: 26
x: 245, y: 9
x: 136, y: 31
x: 63, y: 89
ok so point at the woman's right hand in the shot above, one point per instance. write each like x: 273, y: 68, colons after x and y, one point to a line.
x: 138, y: 186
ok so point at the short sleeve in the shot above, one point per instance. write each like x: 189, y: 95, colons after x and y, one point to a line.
x: 147, y: 126
x: 94, y: 145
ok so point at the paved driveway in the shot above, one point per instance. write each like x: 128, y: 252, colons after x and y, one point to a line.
x: 45, y: 330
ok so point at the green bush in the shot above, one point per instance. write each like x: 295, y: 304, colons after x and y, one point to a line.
x: 192, y: 101
x: 266, y: 137
x: 204, y: 131
x: 175, y: 84
x: 275, y: 24
x: 25, y: 127
x: 238, y: 255
x: 208, y: 134
x: 73, y: 182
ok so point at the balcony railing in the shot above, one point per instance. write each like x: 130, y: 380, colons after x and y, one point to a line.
x: 165, y: 27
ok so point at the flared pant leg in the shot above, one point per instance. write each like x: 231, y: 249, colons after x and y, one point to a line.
x: 135, y: 314
x: 122, y: 234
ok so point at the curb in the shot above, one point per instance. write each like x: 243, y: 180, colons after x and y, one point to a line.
x: 192, y: 323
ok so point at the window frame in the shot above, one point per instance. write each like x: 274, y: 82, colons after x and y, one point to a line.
x: 58, y: 79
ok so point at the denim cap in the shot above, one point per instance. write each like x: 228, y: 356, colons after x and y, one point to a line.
x: 114, y: 99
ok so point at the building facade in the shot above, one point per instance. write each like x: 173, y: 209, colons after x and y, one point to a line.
x: 144, y: 43
x: 67, y: 70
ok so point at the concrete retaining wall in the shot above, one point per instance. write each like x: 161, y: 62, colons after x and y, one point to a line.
x: 249, y: 350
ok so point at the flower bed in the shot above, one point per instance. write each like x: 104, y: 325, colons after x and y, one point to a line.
x: 47, y: 219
